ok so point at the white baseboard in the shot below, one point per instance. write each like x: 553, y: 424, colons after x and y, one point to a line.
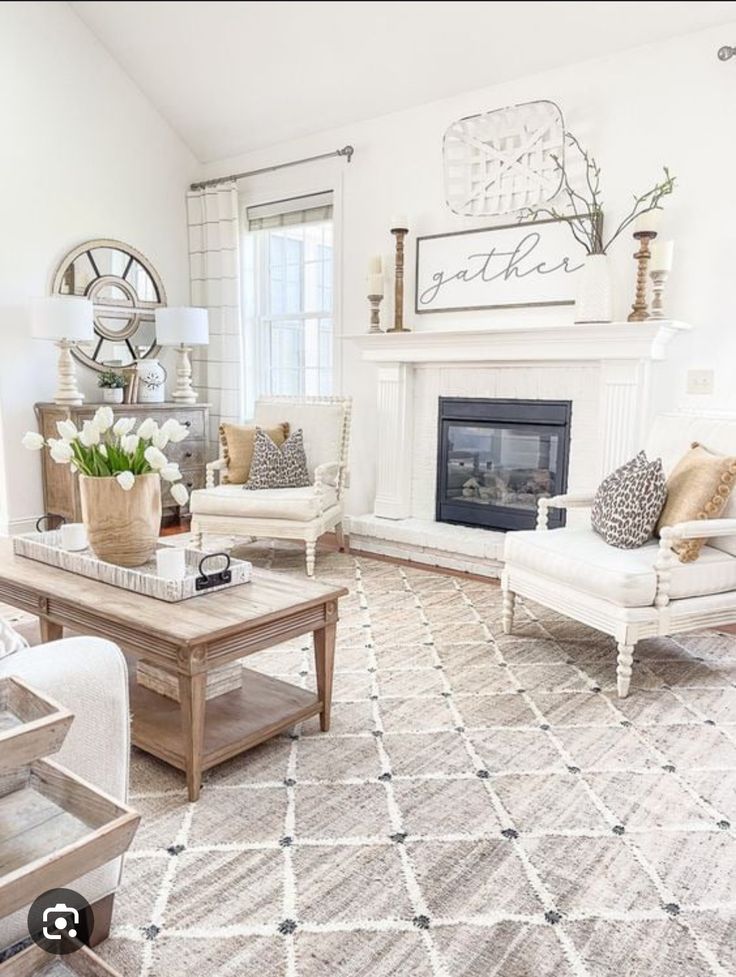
x: 17, y: 526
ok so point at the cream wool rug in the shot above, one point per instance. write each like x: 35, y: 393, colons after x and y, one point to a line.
x: 483, y: 805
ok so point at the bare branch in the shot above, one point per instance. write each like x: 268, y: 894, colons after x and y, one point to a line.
x: 586, y: 217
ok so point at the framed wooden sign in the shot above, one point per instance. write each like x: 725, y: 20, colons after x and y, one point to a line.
x: 523, y: 264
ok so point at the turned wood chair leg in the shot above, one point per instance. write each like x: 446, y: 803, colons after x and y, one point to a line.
x: 311, y: 547
x: 197, y: 537
x: 623, y: 668
x: 340, y: 535
x: 509, y: 600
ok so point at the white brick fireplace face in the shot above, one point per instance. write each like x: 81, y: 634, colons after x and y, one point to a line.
x: 604, y: 369
x: 578, y: 383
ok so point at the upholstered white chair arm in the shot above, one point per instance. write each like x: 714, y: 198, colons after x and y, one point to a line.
x: 670, y: 535
x: 219, y: 465
x: 572, y: 500
x: 327, y: 474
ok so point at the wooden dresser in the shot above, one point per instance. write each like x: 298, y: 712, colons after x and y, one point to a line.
x: 60, y: 488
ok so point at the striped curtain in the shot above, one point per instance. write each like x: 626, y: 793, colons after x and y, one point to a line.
x: 214, y: 268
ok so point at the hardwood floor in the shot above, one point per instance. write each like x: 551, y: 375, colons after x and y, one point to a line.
x: 328, y: 543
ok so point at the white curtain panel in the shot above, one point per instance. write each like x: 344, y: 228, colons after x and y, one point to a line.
x: 214, y: 267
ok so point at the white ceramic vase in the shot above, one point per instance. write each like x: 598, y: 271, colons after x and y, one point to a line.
x: 151, y: 378
x: 594, y: 300
x: 112, y: 395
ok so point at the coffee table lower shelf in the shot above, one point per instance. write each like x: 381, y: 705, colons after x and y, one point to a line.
x: 234, y: 722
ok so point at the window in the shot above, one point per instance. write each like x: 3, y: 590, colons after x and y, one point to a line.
x: 287, y: 301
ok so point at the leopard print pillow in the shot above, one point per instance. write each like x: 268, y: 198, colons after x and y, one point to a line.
x: 628, y: 503
x: 278, y: 466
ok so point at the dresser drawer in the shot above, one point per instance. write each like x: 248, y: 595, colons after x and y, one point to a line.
x: 187, y: 453
x: 193, y: 419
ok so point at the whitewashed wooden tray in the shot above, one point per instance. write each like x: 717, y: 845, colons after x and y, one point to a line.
x: 214, y: 575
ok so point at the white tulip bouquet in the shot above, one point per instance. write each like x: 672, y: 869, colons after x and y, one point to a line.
x: 106, y: 448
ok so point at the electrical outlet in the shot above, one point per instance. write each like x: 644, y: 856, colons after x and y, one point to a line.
x: 700, y: 381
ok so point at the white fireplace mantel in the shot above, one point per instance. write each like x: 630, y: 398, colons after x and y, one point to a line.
x: 525, y: 342
x: 613, y: 361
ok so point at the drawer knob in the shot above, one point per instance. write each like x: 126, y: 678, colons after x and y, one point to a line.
x: 187, y: 454
x: 187, y: 423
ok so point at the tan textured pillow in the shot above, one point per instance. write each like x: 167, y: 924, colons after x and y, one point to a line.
x: 237, y: 442
x: 698, y: 488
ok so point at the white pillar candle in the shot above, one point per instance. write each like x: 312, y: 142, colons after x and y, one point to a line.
x: 661, y: 255
x: 399, y: 221
x: 73, y: 536
x: 648, y: 221
x: 375, y: 265
x: 171, y: 563
x: 375, y: 285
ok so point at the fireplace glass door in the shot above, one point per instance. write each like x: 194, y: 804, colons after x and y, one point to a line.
x: 495, y: 464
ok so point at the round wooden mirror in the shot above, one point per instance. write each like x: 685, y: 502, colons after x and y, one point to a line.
x: 125, y: 290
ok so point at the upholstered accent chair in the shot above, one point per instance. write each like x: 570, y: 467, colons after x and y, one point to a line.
x: 639, y: 593
x: 286, y: 513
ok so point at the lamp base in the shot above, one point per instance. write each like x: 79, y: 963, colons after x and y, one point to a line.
x: 67, y: 392
x: 185, y: 392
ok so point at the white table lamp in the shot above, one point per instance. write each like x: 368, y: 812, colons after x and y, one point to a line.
x: 65, y: 320
x: 183, y: 328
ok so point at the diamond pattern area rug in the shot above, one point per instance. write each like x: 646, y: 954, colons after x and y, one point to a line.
x: 483, y: 806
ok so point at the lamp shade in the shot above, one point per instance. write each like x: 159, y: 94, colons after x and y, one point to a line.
x: 184, y: 325
x: 58, y: 317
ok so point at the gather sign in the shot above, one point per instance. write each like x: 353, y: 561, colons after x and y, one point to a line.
x: 523, y: 264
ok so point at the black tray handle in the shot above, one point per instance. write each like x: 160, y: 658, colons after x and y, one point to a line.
x: 46, y: 516
x: 215, y: 579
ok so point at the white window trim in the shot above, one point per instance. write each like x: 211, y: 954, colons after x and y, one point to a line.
x: 297, y: 182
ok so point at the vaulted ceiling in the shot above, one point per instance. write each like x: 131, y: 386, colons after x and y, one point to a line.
x: 236, y: 76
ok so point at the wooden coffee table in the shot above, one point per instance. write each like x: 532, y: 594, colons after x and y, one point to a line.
x: 189, y: 639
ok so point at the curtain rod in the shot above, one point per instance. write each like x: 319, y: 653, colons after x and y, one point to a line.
x: 346, y: 151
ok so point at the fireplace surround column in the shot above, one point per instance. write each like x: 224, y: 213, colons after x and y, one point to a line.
x: 395, y: 431
x: 624, y: 414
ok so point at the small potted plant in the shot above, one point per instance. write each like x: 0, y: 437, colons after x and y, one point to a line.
x: 111, y: 384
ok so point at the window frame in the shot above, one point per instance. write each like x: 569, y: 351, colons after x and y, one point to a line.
x: 263, y: 189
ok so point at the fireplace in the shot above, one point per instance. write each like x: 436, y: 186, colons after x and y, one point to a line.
x: 496, y: 458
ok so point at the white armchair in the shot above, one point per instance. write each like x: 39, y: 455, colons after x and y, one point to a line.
x: 632, y: 594
x: 289, y: 513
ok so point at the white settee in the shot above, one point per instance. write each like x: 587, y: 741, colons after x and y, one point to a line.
x: 89, y: 677
x: 632, y: 594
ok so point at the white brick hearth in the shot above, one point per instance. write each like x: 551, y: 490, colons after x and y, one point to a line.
x: 604, y: 369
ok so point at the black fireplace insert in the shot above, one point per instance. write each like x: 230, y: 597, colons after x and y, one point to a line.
x: 497, y: 458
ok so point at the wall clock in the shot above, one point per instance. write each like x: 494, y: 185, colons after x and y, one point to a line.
x: 500, y: 161
x: 125, y: 290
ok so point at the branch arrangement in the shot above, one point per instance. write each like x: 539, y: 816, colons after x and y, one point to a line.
x: 583, y: 209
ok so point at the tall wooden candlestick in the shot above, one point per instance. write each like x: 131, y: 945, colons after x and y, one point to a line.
x: 639, y: 311
x: 398, y: 326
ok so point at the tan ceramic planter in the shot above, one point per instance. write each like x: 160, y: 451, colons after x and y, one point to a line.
x: 122, y: 527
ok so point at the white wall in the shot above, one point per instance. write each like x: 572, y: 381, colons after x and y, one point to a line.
x: 83, y: 155
x: 669, y: 103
